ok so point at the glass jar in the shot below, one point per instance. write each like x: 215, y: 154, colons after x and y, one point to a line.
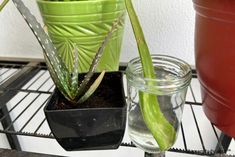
x: 173, y: 76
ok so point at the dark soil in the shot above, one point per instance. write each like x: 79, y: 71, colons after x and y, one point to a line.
x: 108, y: 94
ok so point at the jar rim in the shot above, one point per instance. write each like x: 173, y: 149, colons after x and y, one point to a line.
x: 181, y: 79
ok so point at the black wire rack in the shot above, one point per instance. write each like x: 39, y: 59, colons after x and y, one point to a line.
x: 25, y: 87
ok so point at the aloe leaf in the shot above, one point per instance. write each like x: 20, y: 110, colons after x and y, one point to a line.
x: 55, y: 78
x: 3, y: 4
x: 92, y: 88
x: 74, y: 78
x: 99, y: 54
x: 163, y: 132
x: 57, y: 68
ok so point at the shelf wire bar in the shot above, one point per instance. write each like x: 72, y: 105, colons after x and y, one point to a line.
x: 33, y: 82
x: 183, y: 135
x: 21, y: 113
x: 19, y: 78
x: 195, y: 119
x: 193, y: 103
x: 28, y: 91
x: 35, y: 132
x: 44, y: 83
x: 38, y: 109
x: 21, y: 65
x: 7, y: 70
x: 2, y: 66
x: 39, y: 126
x: 30, y: 67
x: 216, y: 135
x: 12, y: 74
x: 11, y: 124
x: 18, y: 65
x: 34, y: 114
x: 17, y: 104
x: 218, y: 139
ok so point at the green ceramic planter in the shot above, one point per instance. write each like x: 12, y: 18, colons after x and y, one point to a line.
x: 85, y: 23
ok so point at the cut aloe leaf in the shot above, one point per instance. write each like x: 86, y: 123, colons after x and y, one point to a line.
x: 163, y: 132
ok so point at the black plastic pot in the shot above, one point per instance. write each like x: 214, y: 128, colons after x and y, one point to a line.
x: 88, y: 128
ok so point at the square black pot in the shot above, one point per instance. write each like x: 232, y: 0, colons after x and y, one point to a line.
x: 88, y: 128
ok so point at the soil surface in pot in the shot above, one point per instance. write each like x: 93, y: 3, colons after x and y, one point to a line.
x: 108, y: 94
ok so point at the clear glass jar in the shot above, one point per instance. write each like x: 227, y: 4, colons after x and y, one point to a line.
x: 170, y: 86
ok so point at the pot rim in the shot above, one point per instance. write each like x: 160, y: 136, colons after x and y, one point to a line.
x: 57, y: 92
x: 79, y: 7
x: 179, y: 80
x: 78, y: 2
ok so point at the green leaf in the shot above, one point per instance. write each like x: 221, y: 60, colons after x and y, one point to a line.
x: 74, y: 78
x: 3, y: 4
x: 56, y: 66
x: 55, y: 78
x: 163, y: 132
x: 92, y: 88
x: 99, y: 54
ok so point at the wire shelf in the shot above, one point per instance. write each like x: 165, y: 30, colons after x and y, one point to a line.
x: 25, y: 87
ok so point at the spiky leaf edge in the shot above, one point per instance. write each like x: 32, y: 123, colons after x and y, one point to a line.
x: 98, y: 55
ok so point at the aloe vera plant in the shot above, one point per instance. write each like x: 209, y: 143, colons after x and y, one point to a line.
x: 76, y: 92
x: 163, y: 132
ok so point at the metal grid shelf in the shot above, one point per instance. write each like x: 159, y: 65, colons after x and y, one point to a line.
x: 25, y: 87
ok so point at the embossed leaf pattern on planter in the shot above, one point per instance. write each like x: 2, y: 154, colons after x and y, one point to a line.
x: 87, y: 31
x: 88, y: 39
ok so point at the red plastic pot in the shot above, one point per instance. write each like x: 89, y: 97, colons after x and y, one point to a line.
x: 215, y: 60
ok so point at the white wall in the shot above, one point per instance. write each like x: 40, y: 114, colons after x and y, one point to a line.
x: 168, y: 26
x: 16, y: 39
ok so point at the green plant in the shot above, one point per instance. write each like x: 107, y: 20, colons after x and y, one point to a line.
x: 163, y: 132
x: 76, y: 92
